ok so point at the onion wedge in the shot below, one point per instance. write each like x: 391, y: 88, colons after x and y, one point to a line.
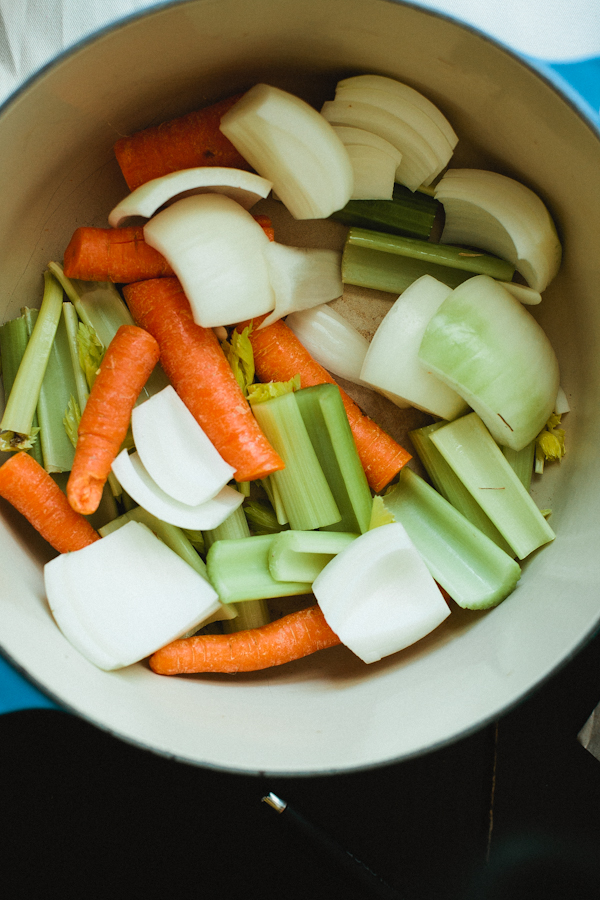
x: 301, y: 277
x: 374, y: 161
x: 331, y: 340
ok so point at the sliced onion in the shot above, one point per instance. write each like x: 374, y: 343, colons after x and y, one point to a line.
x: 115, y: 600
x: 131, y: 473
x: 216, y: 249
x: 383, y: 83
x: 377, y: 594
x: 331, y: 340
x: 522, y: 292
x: 289, y: 143
x: 301, y: 277
x: 496, y: 213
x: 374, y: 161
x: 486, y: 346
x: 392, y: 361
x: 175, y: 451
x: 245, y: 188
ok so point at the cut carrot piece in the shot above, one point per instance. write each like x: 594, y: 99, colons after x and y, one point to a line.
x: 183, y: 143
x: 129, y: 359
x: 279, y: 355
x: 291, y: 637
x: 31, y: 490
x: 198, y: 370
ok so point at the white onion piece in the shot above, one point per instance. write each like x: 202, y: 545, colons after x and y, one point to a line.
x: 561, y: 406
x: 290, y: 143
x: 496, y: 213
x: 522, y: 292
x: 378, y: 596
x: 132, y: 475
x: 350, y: 136
x: 216, y: 249
x: 246, y: 188
x: 383, y: 83
x: 301, y: 277
x: 374, y: 173
x: 115, y: 599
x: 176, y: 452
x: 392, y: 361
x: 485, y: 345
x: 418, y: 160
x: 331, y: 340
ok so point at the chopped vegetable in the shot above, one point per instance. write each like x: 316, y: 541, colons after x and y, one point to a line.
x: 550, y: 443
x: 331, y: 340
x: 302, y: 555
x: 301, y: 277
x: 407, y: 213
x: 113, y: 254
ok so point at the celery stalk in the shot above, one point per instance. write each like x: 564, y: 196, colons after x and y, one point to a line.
x: 72, y: 324
x: 473, y: 569
x: 234, y: 527
x: 382, y: 271
x: 477, y: 460
x: 14, y: 336
x: 406, y: 213
x: 302, y: 555
x: 445, y: 480
x: 323, y: 412
x: 261, y: 517
x: 21, y: 406
x: 251, y: 614
x: 239, y: 571
x: 522, y: 462
x: 272, y: 492
x: 304, y: 491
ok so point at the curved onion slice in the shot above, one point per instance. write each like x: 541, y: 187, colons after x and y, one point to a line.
x: 245, y: 188
x: 216, y: 249
x: 175, y: 451
x: 331, y: 340
x: 131, y: 473
x: 383, y: 83
x: 392, y: 362
x: 301, y: 277
x: 523, y: 293
x: 485, y: 345
x: 378, y: 595
x: 374, y: 161
x: 496, y: 213
x: 114, y: 600
x: 291, y: 144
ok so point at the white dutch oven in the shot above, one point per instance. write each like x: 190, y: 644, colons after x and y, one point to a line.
x: 328, y: 713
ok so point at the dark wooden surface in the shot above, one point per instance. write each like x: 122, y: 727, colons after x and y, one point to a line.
x: 512, y: 811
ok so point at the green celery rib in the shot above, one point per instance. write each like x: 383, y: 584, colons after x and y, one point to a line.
x: 302, y: 555
x: 477, y: 460
x: 472, y: 261
x: 272, y: 492
x: 239, y: 571
x: 445, y: 480
x: 382, y: 271
x: 251, y: 614
x: 304, y: 491
x: 326, y: 421
x: 71, y: 320
x: 261, y: 517
x: 473, y: 569
x: 522, y: 461
x: 406, y: 213
x: 22, y: 402
x: 233, y: 528
x: 14, y: 336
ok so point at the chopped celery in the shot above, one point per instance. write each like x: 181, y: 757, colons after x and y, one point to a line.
x: 302, y: 555
x: 261, y: 517
x: 90, y: 351
x: 322, y: 410
x: 272, y: 492
x: 550, y: 443
x: 305, y: 494
x: 239, y: 571
x: 380, y: 514
x: 473, y: 569
x: 522, y: 462
x: 234, y: 527
x: 408, y: 213
x: 445, y: 480
x: 382, y: 271
x: 240, y: 356
x: 14, y: 336
x: 260, y: 393
x: 477, y: 460
x: 251, y: 614
x: 71, y: 320
x: 196, y: 539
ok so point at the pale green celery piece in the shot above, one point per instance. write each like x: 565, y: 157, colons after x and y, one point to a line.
x: 260, y: 393
x: 522, y: 462
x: 302, y: 555
x: 304, y: 491
x: 445, y: 480
x: 468, y: 565
x: 71, y: 320
x: 324, y: 415
x: 239, y: 571
x: 468, y: 447
x: 14, y: 336
x: 196, y: 539
x: 244, y: 487
x: 251, y: 614
x: 240, y: 356
x: 387, y: 272
x: 22, y: 402
x: 90, y: 351
x: 380, y: 514
x: 261, y: 517
x: 272, y: 492
x: 472, y: 261
x: 233, y: 528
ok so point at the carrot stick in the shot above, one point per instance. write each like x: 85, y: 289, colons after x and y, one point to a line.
x: 279, y: 355
x: 128, y: 361
x: 198, y: 370
x: 121, y: 255
x: 183, y: 143
x: 291, y: 637
x: 31, y: 490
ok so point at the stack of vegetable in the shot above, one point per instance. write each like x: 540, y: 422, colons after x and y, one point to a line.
x: 238, y: 468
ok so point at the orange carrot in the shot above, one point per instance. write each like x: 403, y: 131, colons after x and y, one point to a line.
x: 183, y: 143
x: 31, y: 490
x: 128, y: 361
x: 121, y: 255
x: 279, y: 355
x: 291, y: 637
x: 198, y: 370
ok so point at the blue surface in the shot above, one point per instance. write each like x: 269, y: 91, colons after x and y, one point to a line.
x: 580, y: 81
